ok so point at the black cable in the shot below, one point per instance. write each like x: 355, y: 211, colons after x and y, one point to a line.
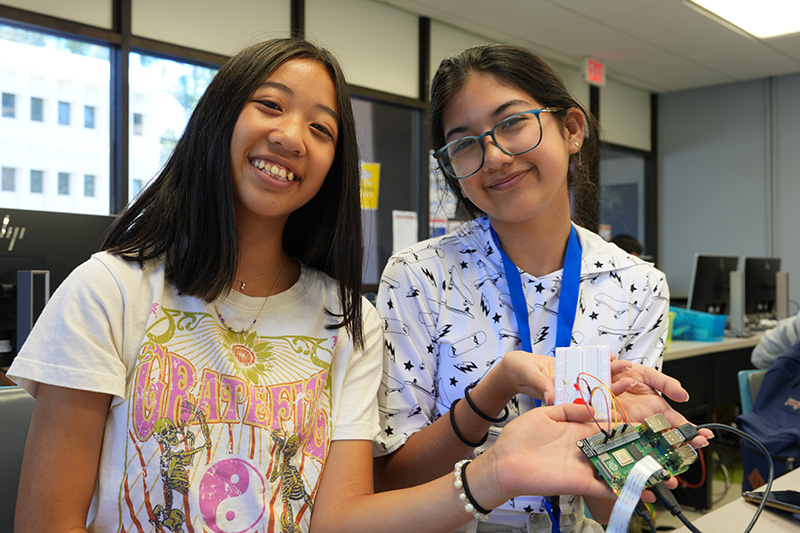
x: 763, y: 450
x: 671, y: 504
x: 641, y: 510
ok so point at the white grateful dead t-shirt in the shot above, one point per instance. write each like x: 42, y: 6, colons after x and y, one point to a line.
x: 208, y: 430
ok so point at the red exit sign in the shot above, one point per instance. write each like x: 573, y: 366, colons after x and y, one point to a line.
x: 594, y: 72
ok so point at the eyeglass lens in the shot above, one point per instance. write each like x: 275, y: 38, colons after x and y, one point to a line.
x: 513, y: 135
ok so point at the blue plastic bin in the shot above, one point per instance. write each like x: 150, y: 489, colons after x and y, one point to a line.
x: 690, y: 325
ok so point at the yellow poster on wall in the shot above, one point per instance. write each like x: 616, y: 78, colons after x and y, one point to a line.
x: 370, y: 181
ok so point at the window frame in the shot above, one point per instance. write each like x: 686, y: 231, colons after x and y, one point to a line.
x: 12, y: 107
x: 121, y: 42
x: 39, y: 108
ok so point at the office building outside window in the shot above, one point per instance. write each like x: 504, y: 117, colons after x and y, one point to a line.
x: 137, y: 123
x: 163, y: 94
x: 9, y: 177
x: 63, y: 183
x: 37, y: 181
x: 63, y: 113
x: 88, y: 185
x: 88, y: 117
x: 9, y: 105
x: 37, y: 109
x: 58, y: 77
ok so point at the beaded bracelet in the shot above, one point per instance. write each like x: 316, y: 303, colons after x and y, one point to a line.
x: 458, y: 433
x: 460, y: 484
x: 481, y: 413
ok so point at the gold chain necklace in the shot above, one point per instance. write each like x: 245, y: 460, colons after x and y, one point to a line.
x: 264, y: 275
x: 243, y: 331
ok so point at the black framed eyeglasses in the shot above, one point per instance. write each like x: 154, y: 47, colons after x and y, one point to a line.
x: 513, y: 135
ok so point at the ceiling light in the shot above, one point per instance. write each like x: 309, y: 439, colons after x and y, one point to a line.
x: 762, y: 19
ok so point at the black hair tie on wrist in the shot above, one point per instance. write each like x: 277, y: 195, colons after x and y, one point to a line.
x: 469, y: 494
x: 458, y: 433
x: 481, y: 413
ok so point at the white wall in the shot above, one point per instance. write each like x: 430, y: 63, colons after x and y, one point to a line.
x: 728, y: 160
x: 210, y: 25
x: 625, y: 115
x: 786, y: 193
x: 377, y: 45
x: 93, y: 12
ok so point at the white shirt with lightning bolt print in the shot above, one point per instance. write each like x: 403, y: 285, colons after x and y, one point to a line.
x: 448, y: 317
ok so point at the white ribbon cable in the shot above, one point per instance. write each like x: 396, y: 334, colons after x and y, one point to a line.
x: 629, y: 497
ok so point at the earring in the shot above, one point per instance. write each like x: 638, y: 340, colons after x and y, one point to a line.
x: 576, y: 143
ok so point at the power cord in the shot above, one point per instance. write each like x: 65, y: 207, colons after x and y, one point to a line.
x: 668, y: 499
x: 644, y: 513
x: 669, y: 502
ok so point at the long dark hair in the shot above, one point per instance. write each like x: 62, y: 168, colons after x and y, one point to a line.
x: 186, y: 215
x: 527, y: 72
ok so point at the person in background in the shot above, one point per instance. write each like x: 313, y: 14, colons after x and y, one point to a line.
x: 629, y: 244
x: 215, y: 368
x: 776, y: 341
x: 476, y: 315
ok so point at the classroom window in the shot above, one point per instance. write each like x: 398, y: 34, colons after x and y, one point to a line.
x: 75, y: 96
x: 63, y: 113
x: 136, y: 186
x: 9, y: 105
x: 37, y: 181
x: 88, y: 117
x: 137, y: 124
x: 37, y: 109
x: 9, y: 178
x: 63, y: 183
x: 88, y: 185
x: 166, y: 92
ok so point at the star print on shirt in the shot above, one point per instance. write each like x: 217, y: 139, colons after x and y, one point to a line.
x: 633, y: 287
x: 408, y: 365
x: 629, y: 347
x: 389, y: 430
x: 430, y: 348
x: 496, y: 318
x: 464, y: 264
x: 598, y: 264
x: 594, y: 315
x: 390, y: 305
x: 539, y: 288
x: 453, y: 382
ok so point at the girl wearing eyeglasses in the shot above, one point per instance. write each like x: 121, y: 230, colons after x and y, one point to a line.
x: 472, y: 319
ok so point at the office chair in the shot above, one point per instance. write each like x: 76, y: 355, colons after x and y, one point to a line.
x: 749, y: 383
x: 16, y: 408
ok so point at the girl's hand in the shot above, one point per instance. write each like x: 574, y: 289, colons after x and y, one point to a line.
x: 537, y: 454
x: 637, y: 387
x: 526, y: 373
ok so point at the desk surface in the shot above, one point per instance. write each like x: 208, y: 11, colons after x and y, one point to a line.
x: 682, y: 349
x: 735, y: 516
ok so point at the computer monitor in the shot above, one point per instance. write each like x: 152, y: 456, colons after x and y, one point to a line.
x: 710, y: 286
x: 40, y: 240
x: 760, y: 285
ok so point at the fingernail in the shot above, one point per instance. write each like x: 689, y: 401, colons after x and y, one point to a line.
x: 546, y: 397
x: 687, y: 398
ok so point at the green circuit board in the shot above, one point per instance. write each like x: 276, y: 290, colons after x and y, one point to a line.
x: 614, y: 455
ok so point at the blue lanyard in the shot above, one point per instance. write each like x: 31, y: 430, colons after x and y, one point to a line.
x: 567, y: 306
x: 567, y: 301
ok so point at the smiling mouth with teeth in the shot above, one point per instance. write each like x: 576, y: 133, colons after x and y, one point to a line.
x: 273, y: 170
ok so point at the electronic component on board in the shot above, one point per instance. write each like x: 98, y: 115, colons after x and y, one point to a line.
x: 615, y: 453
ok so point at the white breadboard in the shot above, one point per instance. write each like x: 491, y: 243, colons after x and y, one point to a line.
x: 594, y: 360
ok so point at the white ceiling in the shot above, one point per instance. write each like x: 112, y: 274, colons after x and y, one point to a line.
x: 657, y: 45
